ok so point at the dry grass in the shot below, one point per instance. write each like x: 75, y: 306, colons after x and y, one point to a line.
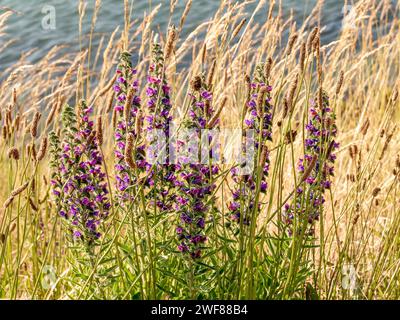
x: 360, y: 224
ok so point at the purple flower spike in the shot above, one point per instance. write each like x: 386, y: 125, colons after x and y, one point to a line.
x: 321, y: 132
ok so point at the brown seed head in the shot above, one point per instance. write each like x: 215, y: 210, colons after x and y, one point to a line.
x: 19, y: 190
x: 138, y: 123
x: 263, y: 155
x: 291, y: 93
x: 129, y: 151
x: 128, y: 104
x: 238, y: 28
x: 12, y: 227
x: 99, y: 130
x: 340, y: 82
x: 375, y: 192
x: 364, y: 128
x: 33, y: 205
x: 169, y: 46
x: 34, y: 125
x: 33, y: 151
x: 310, y: 39
x: 196, y: 83
x: 309, y: 169
x: 268, y: 68
x: 261, y: 101
x: 13, y: 153
x: 353, y: 150
x: 8, y: 202
x: 291, y: 42
x: 42, y: 149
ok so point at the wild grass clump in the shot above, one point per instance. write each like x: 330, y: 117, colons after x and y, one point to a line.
x: 107, y: 193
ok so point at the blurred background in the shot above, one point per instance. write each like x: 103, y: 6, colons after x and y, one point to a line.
x: 25, y: 31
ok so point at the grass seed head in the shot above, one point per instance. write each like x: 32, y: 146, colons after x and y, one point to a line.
x: 13, y: 153
x: 34, y: 125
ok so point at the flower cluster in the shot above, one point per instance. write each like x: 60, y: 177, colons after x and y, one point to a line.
x: 158, y: 123
x: 316, y: 166
x: 194, y: 182
x: 78, y: 181
x: 126, y: 112
x: 259, y: 119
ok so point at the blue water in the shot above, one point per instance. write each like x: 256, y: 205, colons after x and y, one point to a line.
x: 25, y: 26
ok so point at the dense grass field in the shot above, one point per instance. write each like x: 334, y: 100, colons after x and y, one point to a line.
x: 303, y: 204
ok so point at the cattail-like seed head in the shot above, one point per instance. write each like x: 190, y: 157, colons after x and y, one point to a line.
x: 138, y: 123
x: 204, y: 54
x: 320, y: 98
x: 42, y: 149
x: 285, y: 109
x: 128, y: 104
x: 19, y: 190
x: 8, y: 116
x: 261, y: 101
x: 8, y: 202
x: 185, y: 14
x: 339, y: 83
x: 395, y: 95
x: 292, y: 91
x: 51, y: 115
x: 130, y: 139
x: 290, y: 136
x: 310, y: 39
x: 364, y: 128
x: 34, y: 125
x: 91, y: 138
x: 169, y: 46
x: 33, y: 151
x: 309, y: 169
x: 17, y: 122
x: 353, y: 150
x: 12, y: 227
x: 387, y: 142
x: 33, y: 205
x: 110, y: 102
x: 330, y: 148
x: 319, y: 71
x: 263, y: 155
x: 196, y: 83
x: 316, y: 45
x: 13, y: 153
x: 375, y: 192
x: 268, y: 68
x: 291, y: 42
x: 302, y: 57
x: 99, y: 130
x: 14, y: 96
x: 114, y: 119
x: 4, y: 132
x: 238, y: 28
